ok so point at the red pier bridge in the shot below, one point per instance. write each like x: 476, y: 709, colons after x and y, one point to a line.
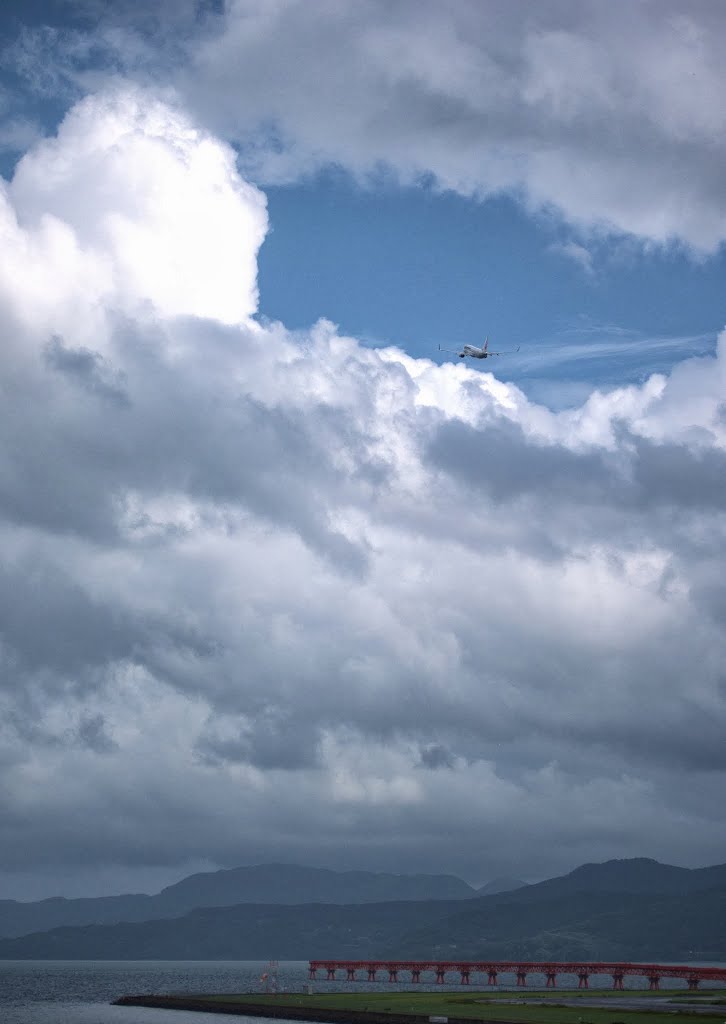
x: 493, y: 968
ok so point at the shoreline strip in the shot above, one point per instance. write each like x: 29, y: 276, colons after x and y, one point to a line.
x: 320, y: 1015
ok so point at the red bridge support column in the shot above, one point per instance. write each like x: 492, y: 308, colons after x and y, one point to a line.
x: 690, y: 975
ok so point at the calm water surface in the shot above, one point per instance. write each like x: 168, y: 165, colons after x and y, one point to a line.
x: 80, y: 992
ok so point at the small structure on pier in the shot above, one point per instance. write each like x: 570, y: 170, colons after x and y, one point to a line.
x: 269, y: 978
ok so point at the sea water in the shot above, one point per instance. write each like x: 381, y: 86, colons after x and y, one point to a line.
x: 81, y: 992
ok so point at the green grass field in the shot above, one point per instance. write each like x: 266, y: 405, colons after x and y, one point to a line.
x: 542, y: 1006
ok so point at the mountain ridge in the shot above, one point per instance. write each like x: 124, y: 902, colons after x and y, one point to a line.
x: 595, y: 926
x: 501, y: 884
x: 277, y: 883
x: 620, y: 910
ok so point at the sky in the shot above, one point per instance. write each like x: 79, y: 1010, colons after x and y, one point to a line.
x: 280, y: 581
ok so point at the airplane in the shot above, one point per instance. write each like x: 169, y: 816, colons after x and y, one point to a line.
x: 474, y: 352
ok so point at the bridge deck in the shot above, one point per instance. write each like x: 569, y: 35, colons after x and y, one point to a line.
x: 492, y: 968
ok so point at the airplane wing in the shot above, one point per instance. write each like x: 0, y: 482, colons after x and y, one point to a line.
x: 506, y: 352
x: 450, y: 350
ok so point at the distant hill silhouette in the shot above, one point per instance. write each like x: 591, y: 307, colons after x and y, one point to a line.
x: 500, y: 885
x: 635, y: 875
x: 588, y: 926
x: 262, y: 883
x: 621, y: 910
x: 245, y: 932
x: 291, y: 884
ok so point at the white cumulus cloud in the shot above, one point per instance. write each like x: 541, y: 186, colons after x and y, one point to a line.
x: 131, y: 206
x: 328, y: 587
x: 609, y: 114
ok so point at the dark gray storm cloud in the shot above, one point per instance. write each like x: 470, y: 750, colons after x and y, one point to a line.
x: 499, y: 459
x: 88, y: 369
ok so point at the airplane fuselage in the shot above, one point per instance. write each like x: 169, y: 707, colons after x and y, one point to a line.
x: 473, y: 352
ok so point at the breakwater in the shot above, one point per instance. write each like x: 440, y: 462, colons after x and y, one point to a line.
x: 322, y: 1015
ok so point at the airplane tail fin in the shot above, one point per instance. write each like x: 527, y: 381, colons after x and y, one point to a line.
x: 486, y: 342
